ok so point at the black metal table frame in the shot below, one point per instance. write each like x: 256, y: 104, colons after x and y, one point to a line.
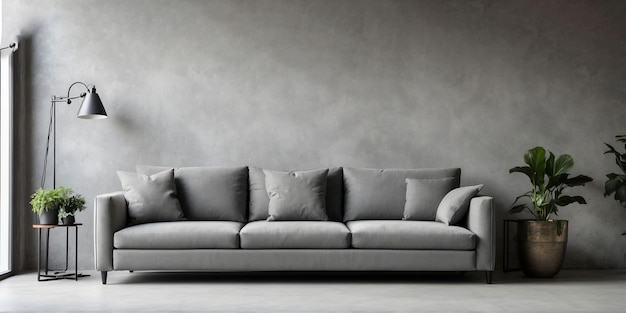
x: 58, y: 274
x: 505, y: 249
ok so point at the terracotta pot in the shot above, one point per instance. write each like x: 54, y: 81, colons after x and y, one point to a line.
x: 50, y: 217
x: 541, y: 248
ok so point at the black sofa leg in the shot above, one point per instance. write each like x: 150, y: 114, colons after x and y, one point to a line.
x: 104, y: 277
x: 489, y: 276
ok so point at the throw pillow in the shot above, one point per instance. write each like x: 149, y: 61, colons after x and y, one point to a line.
x: 259, y: 201
x: 455, y: 204
x: 296, y: 196
x: 209, y: 193
x: 379, y: 194
x: 424, y: 195
x: 151, y: 198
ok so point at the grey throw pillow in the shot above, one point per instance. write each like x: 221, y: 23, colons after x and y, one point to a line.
x: 379, y: 194
x: 209, y: 193
x: 296, y: 196
x: 423, y: 197
x: 455, y: 204
x: 151, y: 198
x: 259, y: 201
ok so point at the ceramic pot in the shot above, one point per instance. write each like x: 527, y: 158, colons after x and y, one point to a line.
x: 70, y: 220
x: 50, y: 217
x: 541, y: 248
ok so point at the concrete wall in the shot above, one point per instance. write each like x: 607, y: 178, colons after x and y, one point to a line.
x: 307, y: 84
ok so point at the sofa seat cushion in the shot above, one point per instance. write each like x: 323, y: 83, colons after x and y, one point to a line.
x: 179, y: 235
x: 295, y: 235
x: 410, y: 235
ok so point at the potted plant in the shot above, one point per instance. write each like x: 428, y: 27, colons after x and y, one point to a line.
x: 69, y: 207
x: 46, y: 203
x: 542, y: 241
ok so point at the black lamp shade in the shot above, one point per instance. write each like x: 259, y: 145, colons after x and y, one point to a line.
x: 92, y: 107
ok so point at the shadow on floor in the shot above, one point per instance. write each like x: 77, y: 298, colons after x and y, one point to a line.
x: 443, y: 278
x: 298, y: 277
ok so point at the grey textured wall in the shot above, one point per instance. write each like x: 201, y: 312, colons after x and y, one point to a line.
x: 306, y: 84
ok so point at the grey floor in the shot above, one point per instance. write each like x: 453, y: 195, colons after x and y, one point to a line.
x: 570, y: 291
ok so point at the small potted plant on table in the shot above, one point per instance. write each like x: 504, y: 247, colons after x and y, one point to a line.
x: 70, y: 206
x: 542, y: 241
x: 46, y: 203
x: 49, y: 204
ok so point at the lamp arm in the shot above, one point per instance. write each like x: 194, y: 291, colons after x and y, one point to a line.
x: 68, y: 98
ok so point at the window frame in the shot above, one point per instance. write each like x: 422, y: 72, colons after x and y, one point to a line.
x: 6, y: 161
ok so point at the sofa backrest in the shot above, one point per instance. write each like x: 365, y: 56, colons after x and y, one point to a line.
x: 380, y: 193
x: 209, y: 193
x: 259, y: 200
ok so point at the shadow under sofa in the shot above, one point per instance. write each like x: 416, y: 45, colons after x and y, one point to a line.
x: 365, y: 230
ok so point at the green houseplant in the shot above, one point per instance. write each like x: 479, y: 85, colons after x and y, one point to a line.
x: 49, y: 204
x: 46, y: 203
x: 616, y: 182
x: 542, y: 241
x: 69, y: 207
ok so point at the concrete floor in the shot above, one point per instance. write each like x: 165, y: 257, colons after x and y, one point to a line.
x: 570, y: 291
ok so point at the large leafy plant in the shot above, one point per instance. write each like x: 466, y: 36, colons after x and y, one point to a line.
x: 616, y: 182
x: 549, y: 178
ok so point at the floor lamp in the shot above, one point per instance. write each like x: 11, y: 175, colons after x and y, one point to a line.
x: 91, y: 108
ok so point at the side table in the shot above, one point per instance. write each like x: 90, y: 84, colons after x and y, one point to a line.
x: 505, y: 249
x: 58, y: 274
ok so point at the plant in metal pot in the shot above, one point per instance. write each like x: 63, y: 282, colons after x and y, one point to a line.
x: 71, y: 204
x: 46, y: 203
x: 542, y: 241
x: 616, y: 182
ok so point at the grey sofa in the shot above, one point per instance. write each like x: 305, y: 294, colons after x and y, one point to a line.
x: 226, y: 227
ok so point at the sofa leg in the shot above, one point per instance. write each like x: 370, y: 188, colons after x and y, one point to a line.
x: 104, y: 277
x: 489, y: 276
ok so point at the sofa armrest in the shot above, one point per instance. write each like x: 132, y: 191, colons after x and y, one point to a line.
x: 109, y: 217
x: 481, y: 221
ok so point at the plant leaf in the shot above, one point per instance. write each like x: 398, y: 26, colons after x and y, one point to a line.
x: 612, y: 176
x: 550, y: 165
x: 524, y: 170
x: 536, y: 160
x: 566, y: 200
x: 611, y: 186
x: 611, y: 149
x: 579, y: 180
x: 517, y: 209
x: 559, y: 227
x: 563, y: 164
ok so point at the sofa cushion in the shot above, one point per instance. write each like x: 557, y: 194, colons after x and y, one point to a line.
x: 151, y: 198
x: 410, y: 235
x: 377, y: 194
x: 423, y: 197
x: 209, y: 193
x: 259, y: 200
x: 296, y: 196
x: 179, y: 235
x: 294, y: 235
x: 455, y: 204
